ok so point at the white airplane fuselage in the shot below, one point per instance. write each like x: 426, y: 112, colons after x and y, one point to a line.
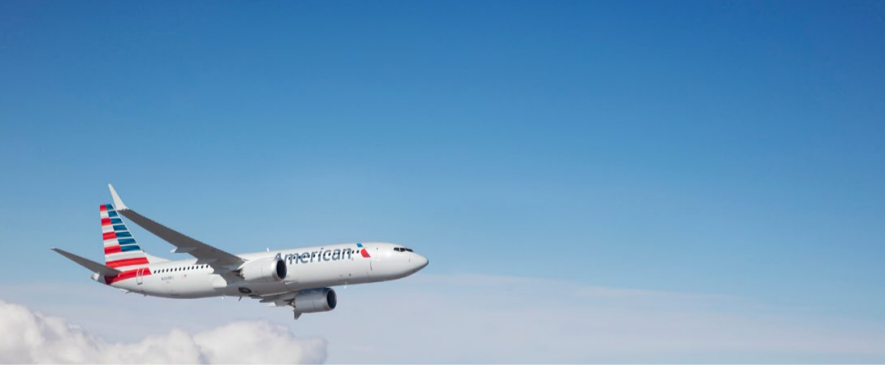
x: 306, y: 268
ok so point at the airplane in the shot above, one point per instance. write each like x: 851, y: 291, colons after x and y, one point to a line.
x: 299, y: 279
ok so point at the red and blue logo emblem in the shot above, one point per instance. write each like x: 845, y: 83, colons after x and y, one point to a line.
x: 362, y: 250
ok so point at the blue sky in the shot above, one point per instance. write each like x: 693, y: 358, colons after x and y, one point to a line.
x: 718, y: 148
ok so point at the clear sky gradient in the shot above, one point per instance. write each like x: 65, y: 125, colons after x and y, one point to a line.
x: 727, y: 148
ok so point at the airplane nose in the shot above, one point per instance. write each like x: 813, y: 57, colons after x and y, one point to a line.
x: 421, y: 262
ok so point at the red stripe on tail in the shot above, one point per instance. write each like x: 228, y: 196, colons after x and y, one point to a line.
x: 129, y: 262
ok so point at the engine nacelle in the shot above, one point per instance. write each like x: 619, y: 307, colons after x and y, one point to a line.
x: 315, y: 300
x: 269, y: 270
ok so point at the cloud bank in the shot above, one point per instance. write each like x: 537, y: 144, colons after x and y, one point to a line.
x: 30, y: 337
x: 442, y: 319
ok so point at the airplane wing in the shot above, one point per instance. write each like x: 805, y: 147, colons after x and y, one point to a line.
x: 219, y: 260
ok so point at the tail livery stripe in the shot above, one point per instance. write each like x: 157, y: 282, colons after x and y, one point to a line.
x: 123, y: 255
x: 117, y: 249
x: 120, y: 248
x: 128, y: 262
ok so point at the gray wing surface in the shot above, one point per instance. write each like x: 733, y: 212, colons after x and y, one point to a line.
x: 219, y: 260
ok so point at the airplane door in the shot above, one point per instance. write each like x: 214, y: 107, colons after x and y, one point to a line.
x: 139, y: 276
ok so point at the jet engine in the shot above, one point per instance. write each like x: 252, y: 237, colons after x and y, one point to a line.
x: 269, y: 270
x: 314, y: 300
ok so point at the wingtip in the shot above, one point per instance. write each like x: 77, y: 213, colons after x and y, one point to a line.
x: 118, y: 203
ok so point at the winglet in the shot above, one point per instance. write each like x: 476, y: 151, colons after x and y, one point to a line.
x: 117, y: 202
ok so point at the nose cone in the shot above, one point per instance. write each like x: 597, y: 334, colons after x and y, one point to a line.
x: 418, y: 262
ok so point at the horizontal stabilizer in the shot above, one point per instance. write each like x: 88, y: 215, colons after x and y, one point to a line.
x: 89, y: 264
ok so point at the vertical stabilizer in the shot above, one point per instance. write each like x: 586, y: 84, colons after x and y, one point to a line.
x: 120, y: 249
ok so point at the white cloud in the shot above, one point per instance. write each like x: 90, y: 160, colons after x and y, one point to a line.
x: 481, y: 318
x: 30, y: 337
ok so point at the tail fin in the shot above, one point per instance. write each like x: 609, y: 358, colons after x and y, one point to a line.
x: 120, y: 249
